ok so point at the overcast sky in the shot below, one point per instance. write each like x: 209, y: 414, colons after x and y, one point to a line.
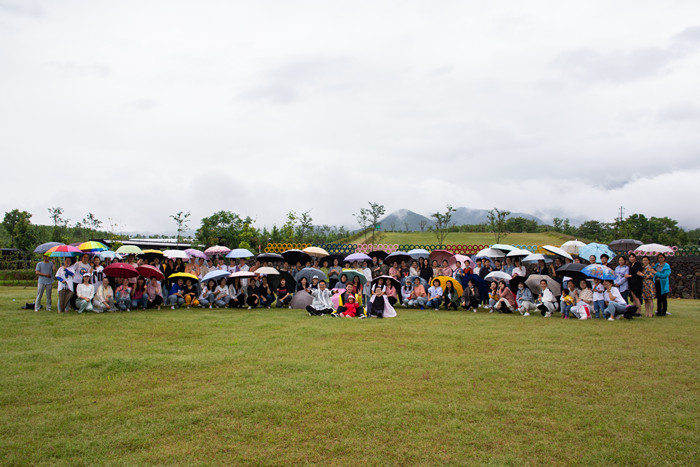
x: 134, y: 110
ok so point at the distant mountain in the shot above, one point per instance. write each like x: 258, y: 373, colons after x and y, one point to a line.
x: 407, y: 220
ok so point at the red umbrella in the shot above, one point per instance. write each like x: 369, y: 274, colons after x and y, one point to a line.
x: 149, y: 271
x: 123, y: 270
x: 441, y: 255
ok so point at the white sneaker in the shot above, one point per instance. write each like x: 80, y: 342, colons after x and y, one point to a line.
x: 249, y: 308
x: 172, y: 307
x: 611, y: 319
x: 526, y: 314
x: 474, y: 310
x: 548, y: 314
x: 290, y: 307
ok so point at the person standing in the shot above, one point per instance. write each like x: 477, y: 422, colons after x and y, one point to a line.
x: 648, y: 291
x: 622, y: 273
x: 663, y: 272
x: 65, y: 285
x: 634, y: 281
x: 44, y: 272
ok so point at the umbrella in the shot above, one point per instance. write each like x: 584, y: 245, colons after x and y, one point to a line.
x: 573, y: 270
x: 393, y: 280
x: 275, y: 280
x: 194, y: 253
x: 242, y: 275
x: 398, y: 256
x: 184, y: 276
x: 149, y: 271
x: 572, y: 246
x: 357, y: 257
x: 315, y: 251
x: 215, y: 275
x: 332, y: 257
x: 624, y: 244
x: 92, y: 246
x: 44, y: 247
x: 216, y: 250
x: 123, y: 270
x: 129, y: 250
x: 301, y: 300
x: 466, y: 261
x: 533, y: 283
x: 418, y: 253
x: 595, y: 249
x: 535, y: 257
x: 504, y: 248
x: 152, y: 254
x: 455, y: 283
x: 267, y: 271
x: 351, y: 273
x: 653, y: 249
x: 63, y: 251
x: 270, y: 257
x: 557, y: 251
x: 413, y: 279
x: 497, y: 276
x: 240, y: 253
x: 295, y: 256
x: 379, y: 254
x: 490, y: 253
x: 599, y: 272
x: 103, y: 255
x: 175, y: 254
x: 309, y: 273
x: 441, y: 255
x: 518, y: 253
x: 481, y: 284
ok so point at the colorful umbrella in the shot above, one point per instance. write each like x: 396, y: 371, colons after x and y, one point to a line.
x: 599, y: 272
x: 149, y: 271
x: 239, y: 253
x: 129, y: 250
x: 557, y: 251
x: 572, y: 246
x: 63, y: 251
x: 595, y: 249
x: 455, y: 283
x: 123, y: 270
x: 357, y: 257
x: 92, y: 246
x: 216, y: 250
x: 315, y: 252
x: 44, y: 247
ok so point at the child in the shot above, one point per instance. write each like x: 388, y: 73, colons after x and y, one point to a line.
x: 598, y: 298
x: 351, y: 307
x: 567, y: 301
x: 493, y: 296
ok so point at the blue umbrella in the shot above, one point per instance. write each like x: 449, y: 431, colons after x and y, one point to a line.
x: 215, y: 275
x: 418, y: 253
x: 599, y: 272
x: 103, y: 255
x: 413, y: 279
x: 595, y: 249
x: 351, y: 273
x: 44, y: 247
x: 481, y: 284
x: 240, y: 253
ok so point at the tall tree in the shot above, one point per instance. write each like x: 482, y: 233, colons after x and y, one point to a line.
x: 59, y: 224
x: 422, y: 224
x: 181, y: 220
x: 221, y: 227
x: 497, y: 222
x: 305, y: 225
x: 371, y: 217
x: 443, y: 222
x: 92, y: 223
x: 20, y: 229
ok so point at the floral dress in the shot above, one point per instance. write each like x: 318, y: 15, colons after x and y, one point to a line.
x: 648, y: 288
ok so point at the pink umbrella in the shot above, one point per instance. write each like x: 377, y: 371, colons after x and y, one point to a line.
x: 216, y: 250
x: 196, y: 253
x: 123, y: 270
x: 466, y: 261
x: 441, y: 255
x: 149, y: 271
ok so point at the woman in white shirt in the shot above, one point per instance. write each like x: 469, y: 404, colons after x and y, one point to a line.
x: 519, y: 269
x: 206, y: 296
x: 84, y: 294
x: 104, y: 297
x: 65, y: 285
x: 547, y: 301
x: 221, y: 296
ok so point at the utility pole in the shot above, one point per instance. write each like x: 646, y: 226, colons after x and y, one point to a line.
x: 619, y: 222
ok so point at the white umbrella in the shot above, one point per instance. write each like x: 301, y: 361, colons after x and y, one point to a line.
x: 316, y: 251
x: 242, y: 274
x: 176, y: 254
x: 503, y: 247
x: 572, y: 246
x: 535, y: 257
x: 491, y: 253
x: 267, y: 271
x: 557, y: 251
x: 654, y: 249
x: 518, y: 252
x: 498, y: 275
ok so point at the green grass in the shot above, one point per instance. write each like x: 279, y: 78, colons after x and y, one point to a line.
x: 279, y: 387
x: 466, y: 238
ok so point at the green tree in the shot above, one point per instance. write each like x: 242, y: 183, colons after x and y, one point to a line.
x: 58, y: 234
x: 370, y: 217
x: 221, y: 227
x: 181, y: 220
x: 521, y: 225
x: 497, y: 223
x: 443, y: 221
x: 92, y: 223
x: 305, y: 226
x: 20, y: 229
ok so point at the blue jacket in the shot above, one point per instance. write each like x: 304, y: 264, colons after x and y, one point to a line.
x: 663, y: 276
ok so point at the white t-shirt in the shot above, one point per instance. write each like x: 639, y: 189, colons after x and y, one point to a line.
x: 617, y: 298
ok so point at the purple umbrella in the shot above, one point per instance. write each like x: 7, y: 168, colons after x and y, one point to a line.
x: 196, y: 253
x: 357, y: 257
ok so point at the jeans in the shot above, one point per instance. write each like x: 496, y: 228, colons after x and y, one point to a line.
x: 598, y: 307
x: 266, y: 300
x: 434, y: 302
x: 175, y: 300
x: 141, y: 302
x: 223, y: 301
x: 124, y: 303
x: 420, y: 301
x: 40, y: 291
x: 613, y: 309
x: 207, y: 300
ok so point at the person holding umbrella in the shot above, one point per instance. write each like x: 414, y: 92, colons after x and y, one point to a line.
x: 44, y: 272
x: 663, y: 272
x: 85, y: 293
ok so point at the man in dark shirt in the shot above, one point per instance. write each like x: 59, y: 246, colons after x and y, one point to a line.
x: 284, y: 297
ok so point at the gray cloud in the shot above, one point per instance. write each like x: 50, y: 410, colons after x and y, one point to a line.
x: 679, y: 112
x: 25, y: 8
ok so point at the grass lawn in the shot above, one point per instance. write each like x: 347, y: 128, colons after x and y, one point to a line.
x: 280, y: 387
x: 467, y: 238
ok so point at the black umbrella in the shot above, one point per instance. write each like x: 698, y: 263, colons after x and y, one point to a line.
x: 380, y: 254
x: 624, y: 244
x: 296, y: 256
x: 573, y: 270
x: 270, y: 257
x: 332, y: 257
x: 398, y: 256
x: 275, y: 280
x: 393, y: 281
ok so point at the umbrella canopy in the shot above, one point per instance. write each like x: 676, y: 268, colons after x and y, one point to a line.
x: 624, y: 244
x: 267, y: 271
x: 149, y: 271
x: 184, y: 276
x: 497, y: 276
x: 535, y: 257
x: 351, y: 273
x: 595, y: 249
x: 129, y: 250
x: 379, y: 254
x: 295, y: 256
x: 653, y: 249
x: 503, y: 247
x: 393, y: 280
x: 63, y: 251
x: 533, y: 283
x: 573, y: 270
x: 103, y: 255
x: 315, y: 251
x: 572, y: 246
x: 441, y: 255
x: 455, y: 283
x: 357, y: 257
x: 216, y: 250
x: 290, y: 282
x: 92, y: 246
x: 490, y: 253
x: 599, y: 272
x: 419, y: 253
x: 240, y: 253
x: 242, y: 274
x: 480, y: 283
x: 332, y: 257
x: 44, y: 247
x: 123, y: 270
x: 152, y: 254
x: 309, y: 273
x: 270, y: 257
x: 194, y: 253
x: 466, y: 261
x: 413, y: 279
x: 215, y: 275
x: 398, y: 256
x: 301, y: 300
x: 557, y: 251
x: 175, y: 254
x: 518, y: 253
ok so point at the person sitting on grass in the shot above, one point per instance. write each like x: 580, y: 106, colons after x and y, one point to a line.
x: 584, y: 301
x: 435, y: 295
x: 84, y: 294
x: 406, y: 291
x: 345, y: 296
x: 176, y: 296
x: 546, y: 300
x: 493, y: 296
x: 284, y: 296
x: 154, y: 293
x: 139, y: 298
x: 189, y: 292
x: 380, y: 305
x: 615, y: 303
x: 236, y: 294
x: 221, y: 296
x: 267, y: 297
x: 525, y: 300
x: 253, y: 297
x: 104, y: 297
x: 567, y: 299
x: 206, y: 296
x: 506, y: 301
x: 122, y: 295
x: 471, y: 297
x: 450, y: 296
x: 350, y: 308
x: 418, y: 296
x: 321, y: 304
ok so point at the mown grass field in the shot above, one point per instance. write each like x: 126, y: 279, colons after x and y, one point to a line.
x: 467, y: 238
x: 280, y: 387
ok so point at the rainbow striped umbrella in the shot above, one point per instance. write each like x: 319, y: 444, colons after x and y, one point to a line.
x: 92, y: 246
x: 62, y: 251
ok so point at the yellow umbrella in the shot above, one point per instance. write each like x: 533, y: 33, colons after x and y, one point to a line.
x: 315, y: 251
x: 184, y: 276
x: 455, y: 283
x: 152, y: 252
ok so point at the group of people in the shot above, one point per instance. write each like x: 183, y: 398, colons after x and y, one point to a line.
x: 83, y: 286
